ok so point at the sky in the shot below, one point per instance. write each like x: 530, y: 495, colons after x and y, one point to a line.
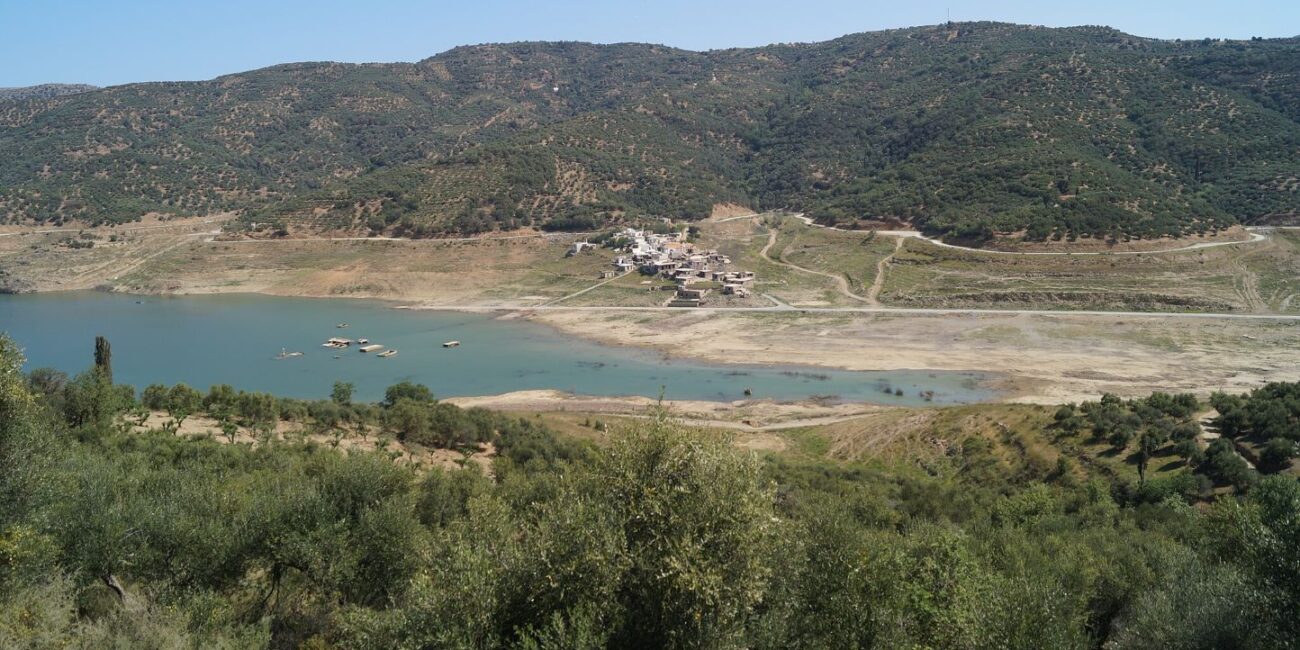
x: 108, y: 42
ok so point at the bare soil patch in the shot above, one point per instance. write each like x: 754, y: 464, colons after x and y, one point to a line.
x: 742, y: 415
x: 724, y: 210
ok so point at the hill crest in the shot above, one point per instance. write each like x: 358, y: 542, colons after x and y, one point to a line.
x: 965, y: 129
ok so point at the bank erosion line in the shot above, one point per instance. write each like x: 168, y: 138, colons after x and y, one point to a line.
x: 918, y: 311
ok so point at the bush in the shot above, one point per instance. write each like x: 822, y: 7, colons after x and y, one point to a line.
x: 1276, y: 455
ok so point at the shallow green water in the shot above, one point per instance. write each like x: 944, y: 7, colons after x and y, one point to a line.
x: 234, y: 339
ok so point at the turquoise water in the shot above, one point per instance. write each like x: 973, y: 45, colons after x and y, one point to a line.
x: 233, y: 339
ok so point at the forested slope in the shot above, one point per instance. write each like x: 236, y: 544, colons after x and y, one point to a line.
x: 965, y: 129
x: 42, y: 91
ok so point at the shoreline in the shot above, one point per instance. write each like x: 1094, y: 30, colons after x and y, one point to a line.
x: 1045, y: 355
x: 886, y: 342
x: 746, y: 416
x: 945, y: 387
x: 404, y: 303
x: 1128, y: 353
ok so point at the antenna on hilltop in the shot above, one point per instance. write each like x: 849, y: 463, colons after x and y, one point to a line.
x: 949, y: 15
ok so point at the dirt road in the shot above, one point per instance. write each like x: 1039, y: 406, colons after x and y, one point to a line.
x: 480, y: 239
x: 841, y: 282
x: 873, y: 294
x: 51, y: 231
x: 575, y: 294
x: 1255, y: 237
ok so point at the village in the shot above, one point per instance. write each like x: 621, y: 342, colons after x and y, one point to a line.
x: 695, y: 272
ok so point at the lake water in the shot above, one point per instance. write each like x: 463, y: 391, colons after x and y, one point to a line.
x: 234, y: 339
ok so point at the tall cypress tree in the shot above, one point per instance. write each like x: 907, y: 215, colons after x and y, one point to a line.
x: 104, y: 358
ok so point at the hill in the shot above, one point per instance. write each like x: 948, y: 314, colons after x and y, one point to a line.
x: 965, y: 130
x: 42, y: 91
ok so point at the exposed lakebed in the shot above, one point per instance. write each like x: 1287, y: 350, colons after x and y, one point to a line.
x: 235, y: 339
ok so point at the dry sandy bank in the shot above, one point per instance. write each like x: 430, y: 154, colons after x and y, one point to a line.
x: 1045, y: 358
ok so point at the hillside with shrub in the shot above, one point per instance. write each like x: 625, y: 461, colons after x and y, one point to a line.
x: 655, y: 536
x: 42, y: 91
x: 965, y: 130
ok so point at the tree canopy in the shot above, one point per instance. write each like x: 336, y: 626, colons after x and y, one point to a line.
x: 660, y: 536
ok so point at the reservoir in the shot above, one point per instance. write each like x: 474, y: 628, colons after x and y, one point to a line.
x: 235, y: 339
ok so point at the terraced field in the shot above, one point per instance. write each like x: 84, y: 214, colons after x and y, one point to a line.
x: 1224, y: 279
x: 844, y: 268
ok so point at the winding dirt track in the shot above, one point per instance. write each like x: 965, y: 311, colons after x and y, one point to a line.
x: 1255, y: 237
x: 426, y: 240
x: 873, y: 294
x: 1247, y: 283
x: 580, y: 292
x: 744, y: 426
x: 840, y: 281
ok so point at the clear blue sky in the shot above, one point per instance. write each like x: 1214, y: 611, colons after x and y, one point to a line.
x: 106, y: 42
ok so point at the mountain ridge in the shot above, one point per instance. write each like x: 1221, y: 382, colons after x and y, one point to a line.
x: 43, y: 91
x: 965, y: 130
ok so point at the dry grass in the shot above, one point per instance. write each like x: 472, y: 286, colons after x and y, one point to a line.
x: 184, y: 260
x: 1019, y: 440
x: 1225, y: 279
